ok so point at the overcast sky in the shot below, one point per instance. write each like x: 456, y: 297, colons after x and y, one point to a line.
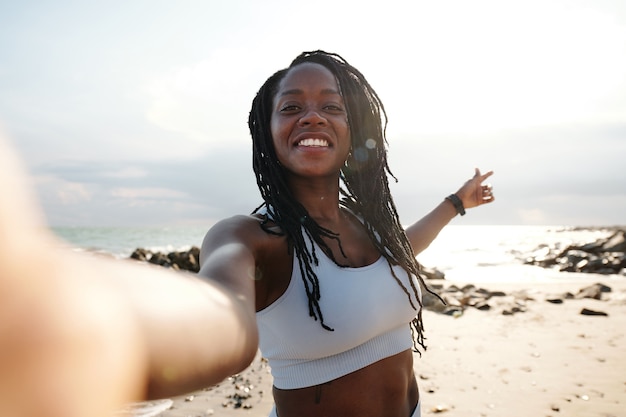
x: 134, y: 112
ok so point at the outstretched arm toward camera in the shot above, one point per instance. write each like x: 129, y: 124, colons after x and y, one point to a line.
x: 81, y: 335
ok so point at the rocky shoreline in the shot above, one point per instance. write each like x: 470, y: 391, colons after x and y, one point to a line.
x: 604, y: 256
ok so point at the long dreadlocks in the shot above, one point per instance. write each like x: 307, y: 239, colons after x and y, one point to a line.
x: 363, y: 175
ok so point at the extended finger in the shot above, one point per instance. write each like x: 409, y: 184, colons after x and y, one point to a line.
x: 485, y: 175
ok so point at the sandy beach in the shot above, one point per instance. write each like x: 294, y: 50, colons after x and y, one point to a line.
x: 549, y: 360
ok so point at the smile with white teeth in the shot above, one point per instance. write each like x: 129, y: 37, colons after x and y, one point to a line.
x: 313, y: 142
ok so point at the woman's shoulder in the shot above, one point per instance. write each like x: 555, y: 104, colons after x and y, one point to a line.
x: 239, y: 227
x: 256, y: 231
x: 258, y: 236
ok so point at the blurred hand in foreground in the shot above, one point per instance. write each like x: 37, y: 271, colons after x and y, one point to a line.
x: 83, y: 336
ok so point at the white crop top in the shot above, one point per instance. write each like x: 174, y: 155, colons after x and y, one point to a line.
x: 368, y: 310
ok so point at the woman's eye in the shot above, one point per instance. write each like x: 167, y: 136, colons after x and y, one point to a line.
x: 334, y: 108
x: 295, y: 108
x: 289, y: 108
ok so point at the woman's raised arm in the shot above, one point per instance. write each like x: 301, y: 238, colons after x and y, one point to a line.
x: 472, y: 193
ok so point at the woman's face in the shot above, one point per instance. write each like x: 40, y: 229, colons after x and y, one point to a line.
x: 309, y: 122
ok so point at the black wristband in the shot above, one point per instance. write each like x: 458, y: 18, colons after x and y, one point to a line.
x: 458, y: 204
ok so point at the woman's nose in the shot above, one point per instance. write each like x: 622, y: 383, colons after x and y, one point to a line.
x: 312, y: 117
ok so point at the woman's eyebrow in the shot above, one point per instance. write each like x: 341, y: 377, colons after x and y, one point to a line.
x: 297, y: 91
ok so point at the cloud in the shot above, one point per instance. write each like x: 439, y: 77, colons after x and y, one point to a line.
x: 149, y: 194
x: 563, y: 174
x: 211, y: 186
x: 533, y: 216
x: 126, y: 173
x: 63, y: 192
x: 208, y: 101
x: 154, y: 113
x: 484, y: 66
x: 576, y: 209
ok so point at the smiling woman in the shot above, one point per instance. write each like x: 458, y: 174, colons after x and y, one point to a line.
x: 327, y: 248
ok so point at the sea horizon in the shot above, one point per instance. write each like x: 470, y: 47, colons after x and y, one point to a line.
x: 474, y: 251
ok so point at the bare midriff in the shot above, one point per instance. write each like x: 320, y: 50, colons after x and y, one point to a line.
x: 387, y: 388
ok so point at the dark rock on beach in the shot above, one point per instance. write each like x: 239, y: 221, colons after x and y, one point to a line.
x: 457, y: 300
x: 604, y: 256
x: 594, y: 291
x: 588, y: 312
x: 183, y: 260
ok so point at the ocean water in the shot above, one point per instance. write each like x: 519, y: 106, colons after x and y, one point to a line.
x: 463, y: 253
x: 122, y: 241
x: 497, y: 253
